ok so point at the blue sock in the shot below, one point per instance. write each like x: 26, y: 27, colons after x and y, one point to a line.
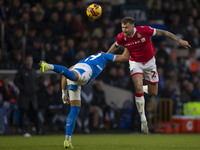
x: 71, y: 119
x: 64, y: 71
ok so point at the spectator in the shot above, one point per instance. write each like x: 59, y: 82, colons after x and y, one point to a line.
x: 166, y: 12
x: 98, y: 105
x: 94, y: 46
x: 79, y: 25
x: 69, y: 7
x: 122, y: 78
x: 80, y: 8
x: 197, y: 91
x: 38, y: 8
x: 36, y: 52
x: 180, y: 7
x: 79, y: 56
x: 161, y: 83
x: 1, y: 112
x: 24, y: 22
x: 38, y: 22
x: 47, y: 36
x: 45, y: 103
x: 190, y: 24
x: 194, y: 38
x: 30, y: 36
x: 189, y: 93
x: 26, y: 81
x: 2, y: 10
x: 104, y: 45
x: 154, y: 12
x: 15, y: 41
x: 59, y: 117
x: 49, y: 53
x: 53, y: 79
x: 55, y: 22
x: 14, y: 9
x: 67, y: 24
x: 83, y: 118
x: 59, y: 8
x: 48, y: 8
x: 71, y: 46
x: 16, y: 60
x: 162, y: 53
x: 168, y: 91
x: 192, y: 62
x: 10, y: 107
x: 84, y: 46
x: 54, y: 107
x: 181, y: 65
x: 10, y: 26
x: 111, y: 79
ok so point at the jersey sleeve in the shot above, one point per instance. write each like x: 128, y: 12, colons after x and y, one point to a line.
x: 109, y: 56
x: 149, y: 31
x: 119, y: 40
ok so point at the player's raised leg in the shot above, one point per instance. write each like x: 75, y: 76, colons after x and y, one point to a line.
x: 151, y: 88
x: 140, y: 102
x: 151, y: 77
x: 58, y: 69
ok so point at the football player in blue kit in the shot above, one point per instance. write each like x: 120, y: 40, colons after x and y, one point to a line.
x: 80, y: 74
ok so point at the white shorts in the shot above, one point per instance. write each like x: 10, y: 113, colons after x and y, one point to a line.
x: 148, y: 70
x: 84, y: 72
x: 74, y: 87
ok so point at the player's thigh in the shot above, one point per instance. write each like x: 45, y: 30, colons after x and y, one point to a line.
x: 71, y: 67
x: 152, y: 79
x: 74, y: 93
x: 75, y: 103
x: 136, y: 75
x: 84, y: 72
x: 151, y: 74
x: 138, y: 82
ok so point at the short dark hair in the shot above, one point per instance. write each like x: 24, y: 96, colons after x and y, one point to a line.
x: 126, y: 20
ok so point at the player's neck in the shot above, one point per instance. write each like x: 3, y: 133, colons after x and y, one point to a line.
x: 133, y: 33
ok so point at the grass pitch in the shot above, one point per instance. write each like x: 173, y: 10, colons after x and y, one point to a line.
x: 104, y: 142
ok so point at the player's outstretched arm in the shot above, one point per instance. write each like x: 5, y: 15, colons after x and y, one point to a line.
x: 124, y: 57
x: 113, y: 48
x: 173, y: 37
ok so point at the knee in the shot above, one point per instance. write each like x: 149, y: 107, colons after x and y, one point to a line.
x: 139, y: 89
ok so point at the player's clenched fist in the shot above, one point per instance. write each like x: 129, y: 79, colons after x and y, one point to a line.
x: 65, y: 97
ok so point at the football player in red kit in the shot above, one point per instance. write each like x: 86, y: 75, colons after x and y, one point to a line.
x: 142, y: 62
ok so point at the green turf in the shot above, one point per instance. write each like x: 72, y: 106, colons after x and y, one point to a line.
x: 104, y: 142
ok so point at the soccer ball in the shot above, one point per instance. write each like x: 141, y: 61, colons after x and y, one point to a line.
x: 94, y: 11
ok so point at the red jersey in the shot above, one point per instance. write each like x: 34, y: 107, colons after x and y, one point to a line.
x: 140, y: 45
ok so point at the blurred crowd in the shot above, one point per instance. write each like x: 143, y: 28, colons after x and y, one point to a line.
x: 59, y: 32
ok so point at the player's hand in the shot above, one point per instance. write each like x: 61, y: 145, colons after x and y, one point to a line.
x: 65, y: 97
x: 66, y: 100
x: 184, y: 44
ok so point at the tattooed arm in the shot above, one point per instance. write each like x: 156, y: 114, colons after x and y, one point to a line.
x: 113, y: 48
x: 173, y: 37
